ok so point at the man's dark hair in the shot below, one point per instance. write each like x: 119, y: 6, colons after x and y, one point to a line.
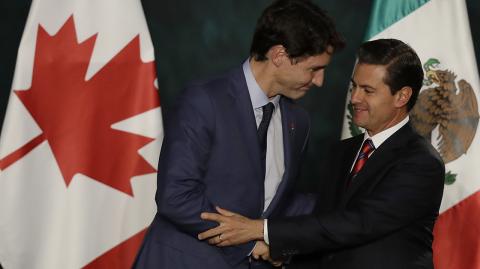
x: 300, y: 26
x: 402, y: 64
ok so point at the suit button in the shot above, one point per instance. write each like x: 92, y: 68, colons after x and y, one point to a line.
x: 330, y: 257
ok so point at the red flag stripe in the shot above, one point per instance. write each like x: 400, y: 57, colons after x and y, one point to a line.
x: 457, y: 236
x: 120, y: 257
x: 22, y: 151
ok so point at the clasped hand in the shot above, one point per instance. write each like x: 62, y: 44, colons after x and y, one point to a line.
x: 232, y: 229
x: 235, y: 229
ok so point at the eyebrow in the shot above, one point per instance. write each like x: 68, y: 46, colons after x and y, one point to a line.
x: 362, y: 86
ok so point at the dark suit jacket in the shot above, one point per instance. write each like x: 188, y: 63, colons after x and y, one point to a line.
x: 384, y: 219
x: 210, y: 156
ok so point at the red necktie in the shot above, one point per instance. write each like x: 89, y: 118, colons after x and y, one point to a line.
x: 362, y: 158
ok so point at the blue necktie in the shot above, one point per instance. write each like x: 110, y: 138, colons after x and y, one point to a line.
x: 262, y: 132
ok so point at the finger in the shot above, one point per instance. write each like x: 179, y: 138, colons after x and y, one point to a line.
x: 226, y: 240
x: 212, y: 232
x: 212, y: 216
x: 266, y: 257
x: 224, y: 212
x: 215, y: 240
x: 255, y: 252
x: 224, y: 243
x: 276, y: 264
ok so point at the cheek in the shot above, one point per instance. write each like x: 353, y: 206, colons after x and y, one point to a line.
x: 307, y: 77
x: 382, y: 110
x: 297, y: 80
x: 301, y: 80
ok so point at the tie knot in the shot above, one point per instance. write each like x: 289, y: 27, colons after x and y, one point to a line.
x: 367, y: 147
x: 268, y: 108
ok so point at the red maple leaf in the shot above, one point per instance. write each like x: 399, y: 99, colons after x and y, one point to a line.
x: 76, y: 115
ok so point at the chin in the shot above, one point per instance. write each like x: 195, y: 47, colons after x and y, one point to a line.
x: 296, y: 97
x: 302, y: 93
x: 358, y: 123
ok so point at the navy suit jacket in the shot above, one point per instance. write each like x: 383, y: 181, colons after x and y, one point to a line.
x: 384, y: 219
x: 211, y: 156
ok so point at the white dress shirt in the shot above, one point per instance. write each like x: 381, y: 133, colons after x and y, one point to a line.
x: 379, y: 138
x: 275, y: 166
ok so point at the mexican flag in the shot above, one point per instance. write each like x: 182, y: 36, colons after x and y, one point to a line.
x: 446, y: 113
x: 80, y: 142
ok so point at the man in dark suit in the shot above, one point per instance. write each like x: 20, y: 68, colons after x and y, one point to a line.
x: 381, y: 195
x: 237, y: 141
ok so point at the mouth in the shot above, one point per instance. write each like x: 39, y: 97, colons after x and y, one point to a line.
x: 305, y: 88
x: 357, y: 109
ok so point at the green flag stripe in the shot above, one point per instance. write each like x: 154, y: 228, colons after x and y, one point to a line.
x: 387, y: 12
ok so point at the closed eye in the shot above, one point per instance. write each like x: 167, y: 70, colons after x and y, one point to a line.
x: 316, y: 68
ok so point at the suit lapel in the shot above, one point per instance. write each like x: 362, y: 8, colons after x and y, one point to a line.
x: 380, y: 158
x: 289, y: 153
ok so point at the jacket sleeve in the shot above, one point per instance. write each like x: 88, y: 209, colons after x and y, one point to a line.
x: 398, y: 200
x: 180, y: 197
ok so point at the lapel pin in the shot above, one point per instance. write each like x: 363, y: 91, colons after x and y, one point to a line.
x: 291, y: 126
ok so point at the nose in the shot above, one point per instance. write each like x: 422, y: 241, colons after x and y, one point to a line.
x: 355, y: 96
x: 317, y: 79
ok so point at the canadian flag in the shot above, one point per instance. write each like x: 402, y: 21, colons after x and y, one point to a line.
x: 81, y: 137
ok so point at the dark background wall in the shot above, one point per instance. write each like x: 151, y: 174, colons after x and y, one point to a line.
x: 194, y: 39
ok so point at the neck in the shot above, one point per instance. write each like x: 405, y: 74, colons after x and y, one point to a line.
x: 263, y: 73
x: 398, y: 117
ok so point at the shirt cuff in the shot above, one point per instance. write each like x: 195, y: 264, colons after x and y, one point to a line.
x: 265, y: 232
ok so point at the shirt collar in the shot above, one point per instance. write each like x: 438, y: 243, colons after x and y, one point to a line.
x: 257, y: 95
x: 379, y: 138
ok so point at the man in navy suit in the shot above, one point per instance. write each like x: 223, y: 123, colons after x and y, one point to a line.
x: 382, y: 192
x: 237, y: 140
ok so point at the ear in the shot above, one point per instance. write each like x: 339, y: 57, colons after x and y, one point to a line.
x: 403, y: 96
x: 277, y: 54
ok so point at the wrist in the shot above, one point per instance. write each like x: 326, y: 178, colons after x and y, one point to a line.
x: 258, y: 228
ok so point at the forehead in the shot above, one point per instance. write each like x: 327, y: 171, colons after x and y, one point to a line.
x: 317, y: 60
x: 321, y: 59
x: 369, y: 74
